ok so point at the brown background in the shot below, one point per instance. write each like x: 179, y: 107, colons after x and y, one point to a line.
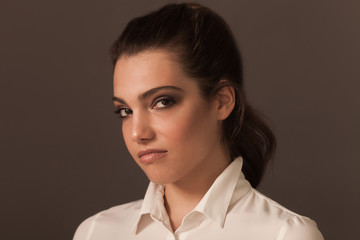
x: 62, y: 156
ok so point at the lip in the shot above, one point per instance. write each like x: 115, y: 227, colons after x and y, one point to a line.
x: 151, y: 155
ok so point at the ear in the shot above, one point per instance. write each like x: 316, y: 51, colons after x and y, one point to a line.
x: 225, y: 100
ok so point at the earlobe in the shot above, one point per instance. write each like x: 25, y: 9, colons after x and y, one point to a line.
x: 225, y: 98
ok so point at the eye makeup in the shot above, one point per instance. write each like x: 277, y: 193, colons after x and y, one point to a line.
x: 165, y: 98
x: 163, y: 102
x: 123, y: 112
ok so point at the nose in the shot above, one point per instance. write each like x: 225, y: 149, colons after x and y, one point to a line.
x: 142, y: 130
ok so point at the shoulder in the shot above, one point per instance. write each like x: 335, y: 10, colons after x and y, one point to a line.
x: 121, y: 216
x: 275, y: 218
x: 293, y: 226
x: 299, y: 228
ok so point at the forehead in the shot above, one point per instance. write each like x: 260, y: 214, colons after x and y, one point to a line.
x: 146, y: 70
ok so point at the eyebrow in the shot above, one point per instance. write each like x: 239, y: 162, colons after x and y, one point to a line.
x: 148, y: 93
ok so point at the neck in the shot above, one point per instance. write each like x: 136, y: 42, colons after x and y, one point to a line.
x: 182, y: 197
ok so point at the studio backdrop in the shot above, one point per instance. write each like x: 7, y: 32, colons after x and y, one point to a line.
x: 62, y: 154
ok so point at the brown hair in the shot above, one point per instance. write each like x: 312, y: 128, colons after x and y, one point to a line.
x: 207, y: 51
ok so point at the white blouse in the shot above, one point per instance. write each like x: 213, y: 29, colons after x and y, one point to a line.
x: 231, y: 209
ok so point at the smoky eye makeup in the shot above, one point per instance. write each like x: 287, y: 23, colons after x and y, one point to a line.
x: 163, y: 101
x: 122, y: 111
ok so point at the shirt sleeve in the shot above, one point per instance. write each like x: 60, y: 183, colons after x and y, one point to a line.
x: 299, y: 229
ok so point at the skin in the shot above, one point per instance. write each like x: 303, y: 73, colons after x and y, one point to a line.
x: 164, y: 112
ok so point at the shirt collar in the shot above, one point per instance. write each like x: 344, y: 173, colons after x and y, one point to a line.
x: 215, y: 202
x: 153, y: 204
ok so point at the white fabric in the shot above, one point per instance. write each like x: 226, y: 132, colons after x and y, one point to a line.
x: 231, y: 209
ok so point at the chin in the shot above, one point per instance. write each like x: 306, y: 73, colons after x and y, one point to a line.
x: 159, y: 174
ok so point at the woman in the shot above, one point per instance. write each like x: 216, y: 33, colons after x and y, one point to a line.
x: 186, y: 122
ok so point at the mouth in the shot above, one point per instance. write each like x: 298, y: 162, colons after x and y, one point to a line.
x: 151, y: 155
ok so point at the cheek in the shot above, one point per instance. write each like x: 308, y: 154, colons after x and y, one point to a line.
x: 188, y: 129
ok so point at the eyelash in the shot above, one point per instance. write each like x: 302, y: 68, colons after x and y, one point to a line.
x: 166, y: 101
x: 119, y: 112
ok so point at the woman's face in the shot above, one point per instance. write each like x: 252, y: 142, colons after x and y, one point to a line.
x: 171, y: 131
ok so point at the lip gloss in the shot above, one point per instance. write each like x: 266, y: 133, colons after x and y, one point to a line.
x: 152, y: 157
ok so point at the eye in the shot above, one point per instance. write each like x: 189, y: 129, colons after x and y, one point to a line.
x: 123, y: 112
x: 164, y: 102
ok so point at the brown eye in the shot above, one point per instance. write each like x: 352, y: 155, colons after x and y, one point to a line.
x: 123, y: 112
x: 164, y: 103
